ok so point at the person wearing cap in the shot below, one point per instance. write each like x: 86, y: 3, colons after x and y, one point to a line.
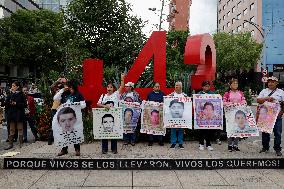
x: 156, y: 96
x: 177, y: 93
x: 272, y: 94
x: 130, y: 95
x: 205, y: 134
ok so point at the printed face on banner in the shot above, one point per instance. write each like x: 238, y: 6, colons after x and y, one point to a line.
x: 266, y: 116
x: 208, y: 111
x: 177, y: 112
x: 240, y: 121
x: 67, y: 125
x: 131, y: 114
x: 152, y: 118
x: 107, y: 124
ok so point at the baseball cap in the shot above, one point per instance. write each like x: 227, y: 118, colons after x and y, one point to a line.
x: 272, y: 78
x: 129, y: 84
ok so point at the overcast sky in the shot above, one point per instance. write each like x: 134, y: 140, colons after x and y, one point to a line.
x: 203, y: 15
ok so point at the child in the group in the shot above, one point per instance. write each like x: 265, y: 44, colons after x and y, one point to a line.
x: 233, y: 95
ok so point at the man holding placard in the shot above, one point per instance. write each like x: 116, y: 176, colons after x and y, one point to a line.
x: 272, y: 95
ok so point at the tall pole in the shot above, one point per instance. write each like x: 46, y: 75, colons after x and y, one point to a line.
x: 161, y: 15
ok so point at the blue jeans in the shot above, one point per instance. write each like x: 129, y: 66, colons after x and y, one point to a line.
x: 31, y: 122
x: 129, y: 137
x: 277, y: 136
x: 174, y: 137
x: 105, y: 145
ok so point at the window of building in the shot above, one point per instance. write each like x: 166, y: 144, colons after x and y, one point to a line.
x: 252, y: 19
x: 219, y: 21
x: 233, y: 20
x: 228, y: 24
x: 228, y: 2
x: 228, y: 14
x: 233, y: 9
x: 223, y: 27
x: 224, y: 17
x: 239, y: 28
x: 245, y: 11
x: 252, y: 33
x: 252, y: 6
x: 239, y: 16
x: 224, y: 7
x: 239, y: 4
x: 245, y: 24
x: 220, y: 11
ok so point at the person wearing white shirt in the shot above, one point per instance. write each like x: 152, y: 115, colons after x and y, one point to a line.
x: 109, y: 100
x: 174, y: 138
x: 272, y: 94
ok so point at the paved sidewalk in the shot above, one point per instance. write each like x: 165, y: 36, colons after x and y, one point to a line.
x: 114, y: 179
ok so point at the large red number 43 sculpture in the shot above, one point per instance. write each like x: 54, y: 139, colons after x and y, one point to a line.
x: 199, y: 50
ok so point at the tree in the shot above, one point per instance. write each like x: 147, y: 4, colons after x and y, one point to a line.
x: 33, y: 38
x: 236, y: 52
x: 108, y: 31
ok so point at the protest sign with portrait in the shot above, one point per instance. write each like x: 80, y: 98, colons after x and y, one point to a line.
x: 208, y: 111
x: 67, y: 125
x: 266, y: 116
x: 130, y: 112
x: 177, y: 112
x: 152, y: 118
x: 107, y: 124
x: 240, y: 121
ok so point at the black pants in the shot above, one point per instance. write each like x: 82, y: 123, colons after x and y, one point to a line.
x: 76, y: 146
x: 205, y: 134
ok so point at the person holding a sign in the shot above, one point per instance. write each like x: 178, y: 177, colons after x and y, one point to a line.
x: 130, y: 95
x: 156, y: 96
x: 176, y: 109
x: 108, y: 100
x: 70, y: 94
x: 233, y: 96
x: 272, y: 94
x: 208, y: 112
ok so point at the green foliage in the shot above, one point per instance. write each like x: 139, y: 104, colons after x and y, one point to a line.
x: 88, y: 126
x: 32, y: 38
x: 107, y: 30
x: 236, y: 52
x: 176, y: 69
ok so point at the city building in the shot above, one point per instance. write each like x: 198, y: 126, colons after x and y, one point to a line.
x: 7, y: 7
x: 265, y: 20
x: 179, y: 11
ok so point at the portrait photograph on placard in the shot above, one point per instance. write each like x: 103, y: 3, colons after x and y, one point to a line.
x: 208, y: 111
x: 130, y: 112
x: 266, y: 116
x: 152, y: 118
x: 240, y: 121
x: 67, y: 125
x: 107, y: 124
x: 177, y: 112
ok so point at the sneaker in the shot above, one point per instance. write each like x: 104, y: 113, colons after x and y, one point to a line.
x: 230, y: 148
x: 161, y: 143
x: 173, y: 146
x: 150, y: 144
x: 62, y: 153
x: 236, y: 148
x: 181, y: 146
x: 263, y: 150
x: 209, y: 148
x: 278, y: 153
x: 201, y: 147
x: 219, y: 141
x: 132, y: 143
